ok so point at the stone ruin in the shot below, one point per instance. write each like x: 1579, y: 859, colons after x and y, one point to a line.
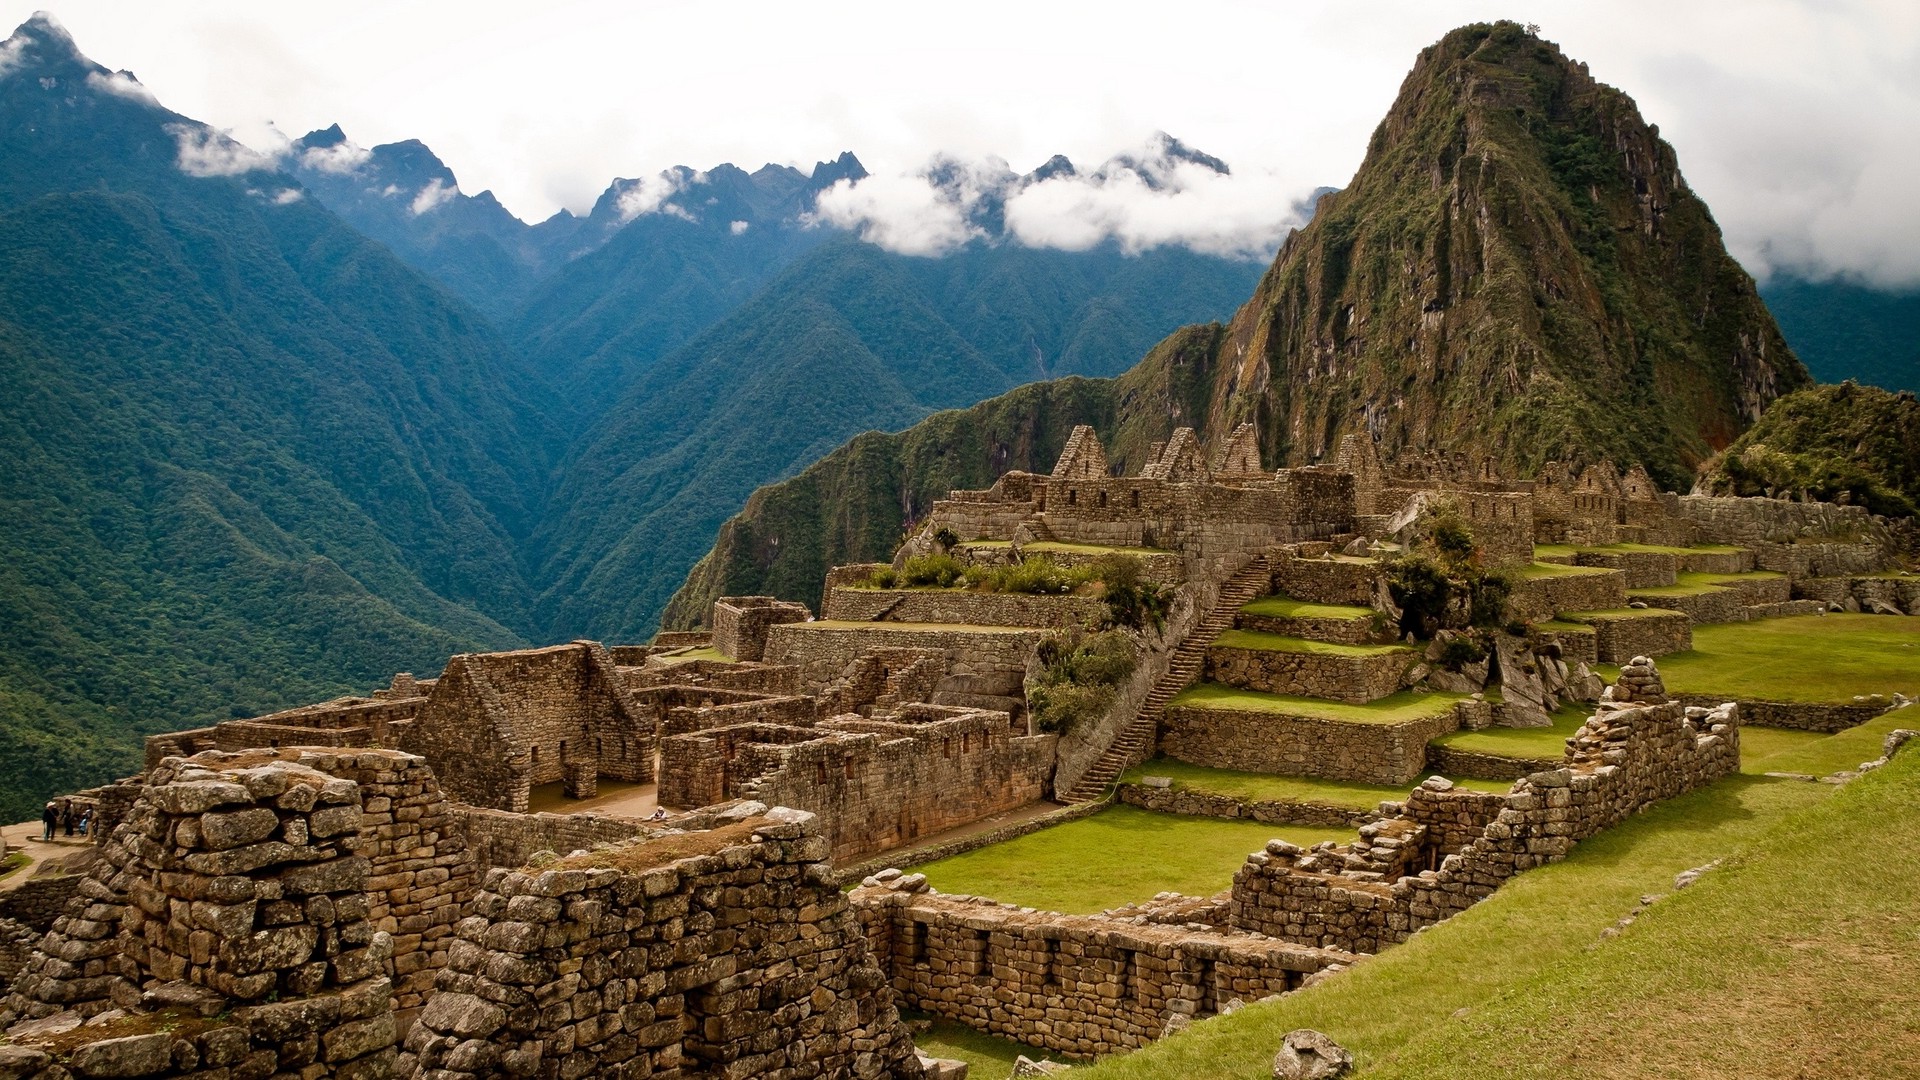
x: 283, y: 890
x: 254, y: 914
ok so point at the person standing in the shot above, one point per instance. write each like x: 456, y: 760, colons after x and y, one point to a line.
x: 66, y: 815
x: 51, y: 817
x: 86, y: 820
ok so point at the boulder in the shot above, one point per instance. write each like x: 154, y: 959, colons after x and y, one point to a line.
x: 1528, y: 701
x: 1306, y: 1054
x: 1025, y: 1068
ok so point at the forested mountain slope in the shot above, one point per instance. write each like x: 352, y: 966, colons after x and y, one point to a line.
x: 247, y: 458
x: 1517, y: 270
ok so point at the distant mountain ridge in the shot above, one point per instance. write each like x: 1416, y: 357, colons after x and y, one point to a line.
x: 250, y: 457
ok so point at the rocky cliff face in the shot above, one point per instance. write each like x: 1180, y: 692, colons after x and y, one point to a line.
x: 1517, y: 270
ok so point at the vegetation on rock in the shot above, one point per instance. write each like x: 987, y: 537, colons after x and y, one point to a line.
x: 1844, y: 443
x: 1080, y: 676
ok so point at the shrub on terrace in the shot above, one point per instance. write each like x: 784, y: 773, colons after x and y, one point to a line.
x: 1079, y: 678
x: 1439, y: 583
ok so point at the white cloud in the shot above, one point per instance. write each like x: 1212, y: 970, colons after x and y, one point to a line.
x: 341, y: 158
x: 122, y: 84
x: 737, y: 227
x: 911, y: 215
x: 287, y: 196
x: 1243, y: 215
x: 650, y: 194
x: 206, y: 152
x: 436, y: 192
x: 13, y: 53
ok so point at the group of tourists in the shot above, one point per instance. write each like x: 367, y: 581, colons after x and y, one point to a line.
x: 62, y: 815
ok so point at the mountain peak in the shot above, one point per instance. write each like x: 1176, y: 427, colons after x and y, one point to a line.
x: 43, y: 42
x: 1516, y: 258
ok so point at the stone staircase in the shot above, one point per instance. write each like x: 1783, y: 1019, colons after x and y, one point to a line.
x: 1135, y: 743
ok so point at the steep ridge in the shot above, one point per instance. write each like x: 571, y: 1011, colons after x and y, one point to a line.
x: 1517, y: 271
x: 247, y: 458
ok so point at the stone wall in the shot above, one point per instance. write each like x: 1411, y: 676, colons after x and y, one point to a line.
x: 964, y: 607
x: 1272, y: 742
x: 1765, y: 523
x: 1537, y: 598
x: 1625, y: 758
x: 740, y: 623
x: 1621, y: 636
x: 1823, y: 716
x: 1451, y: 761
x: 1900, y: 592
x: 499, y: 838
x: 1711, y: 606
x: 38, y: 901
x: 1328, y: 579
x: 1340, y: 676
x: 876, y: 783
x: 723, y: 954
x: 823, y: 652
x: 1269, y: 811
x: 236, y: 885
x: 1081, y: 986
x: 498, y: 724
x: 1643, y: 569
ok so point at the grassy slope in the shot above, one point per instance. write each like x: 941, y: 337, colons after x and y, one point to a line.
x: 1259, y: 787
x: 1803, y: 658
x: 1116, y: 857
x: 1822, y: 755
x: 1395, y: 709
x: 1526, y: 941
x: 1540, y: 742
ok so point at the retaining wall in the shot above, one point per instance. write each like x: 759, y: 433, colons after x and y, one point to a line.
x: 1373, y: 753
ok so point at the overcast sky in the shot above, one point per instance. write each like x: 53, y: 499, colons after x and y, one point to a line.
x: 1799, y: 122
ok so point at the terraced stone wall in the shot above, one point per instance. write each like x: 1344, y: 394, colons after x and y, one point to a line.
x: 729, y: 953
x: 1325, y: 580
x: 963, y: 607
x: 825, y: 654
x: 1293, y: 745
x: 1618, y: 639
x: 1336, y: 676
x: 1080, y: 986
x: 1536, y: 598
x: 1622, y: 760
x: 875, y: 783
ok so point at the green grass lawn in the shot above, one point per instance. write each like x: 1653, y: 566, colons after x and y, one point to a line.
x: 1664, y: 549
x: 1545, y: 996
x: 1394, y: 709
x: 1117, y: 856
x: 1695, y: 577
x: 1547, y: 570
x: 1544, y: 742
x: 1561, y: 626
x: 1611, y: 614
x: 1260, y: 639
x: 1821, y: 755
x: 1677, y: 589
x: 1557, y: 551
x: 987, y: 1056
x: 1268, y: 787
x: 1757, y: 744
x: 1285, y: 607
x: 1800, y: 658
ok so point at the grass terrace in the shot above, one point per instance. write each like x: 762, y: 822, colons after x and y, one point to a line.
x: 1393, y: 709
x: 1786, y: 960
x: 1260, y: 639
x: 1555, y: 551
x: 1535, y: 570
x: 1695, y: 577
x: 1679, y: 588
x: 1608, y: 614
x: 1118, y: 856
x: 1285, y: 607
x: 1530, y: 743
x: 1799, y: 658
x: 1815, y: 754
x: 1270, y: 787
x: 1664, y: 549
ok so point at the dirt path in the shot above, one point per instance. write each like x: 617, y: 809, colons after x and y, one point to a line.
x: 26, y: 837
